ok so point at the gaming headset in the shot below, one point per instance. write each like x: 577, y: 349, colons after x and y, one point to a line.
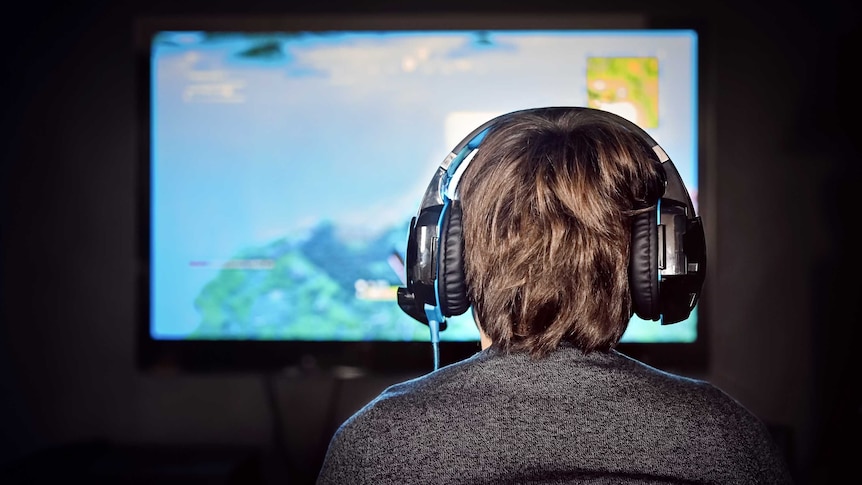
x: 668, y: 251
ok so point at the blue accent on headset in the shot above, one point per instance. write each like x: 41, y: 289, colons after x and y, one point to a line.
x: 468, y: 148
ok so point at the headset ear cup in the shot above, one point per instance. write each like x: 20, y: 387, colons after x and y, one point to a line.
x: 680, y: 294
x: 451, y: 280
x: 643, y: 267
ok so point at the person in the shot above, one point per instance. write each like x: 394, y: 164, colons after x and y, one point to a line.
x: 547, y: 212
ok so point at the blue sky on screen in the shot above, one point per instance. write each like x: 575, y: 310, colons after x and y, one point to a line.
x: 258, y: 137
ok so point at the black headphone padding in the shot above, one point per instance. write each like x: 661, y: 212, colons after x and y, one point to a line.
x: 450, y: 272
x: 643, y: 266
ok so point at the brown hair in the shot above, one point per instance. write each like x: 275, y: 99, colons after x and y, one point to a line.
x: 546, y: 204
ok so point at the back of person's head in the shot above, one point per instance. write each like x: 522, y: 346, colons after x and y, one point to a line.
x: 547, y: 206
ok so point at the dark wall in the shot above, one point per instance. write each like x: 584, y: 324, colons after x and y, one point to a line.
x: 783, y: 283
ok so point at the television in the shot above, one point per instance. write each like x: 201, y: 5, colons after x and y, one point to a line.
x: 282, y: 158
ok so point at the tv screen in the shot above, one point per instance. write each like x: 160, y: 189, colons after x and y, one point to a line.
x: 282, y: 166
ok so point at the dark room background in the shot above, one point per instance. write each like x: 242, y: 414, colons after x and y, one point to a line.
x: 783, y: 283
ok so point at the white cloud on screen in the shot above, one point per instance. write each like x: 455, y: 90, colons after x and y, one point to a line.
x: 459, y: 124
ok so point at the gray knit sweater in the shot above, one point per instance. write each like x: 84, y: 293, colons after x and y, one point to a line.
x: 568, y: 418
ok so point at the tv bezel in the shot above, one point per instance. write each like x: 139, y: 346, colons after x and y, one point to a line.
x: 382, y: 357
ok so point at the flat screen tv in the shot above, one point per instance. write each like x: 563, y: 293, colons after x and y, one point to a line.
x: 282, y: 158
